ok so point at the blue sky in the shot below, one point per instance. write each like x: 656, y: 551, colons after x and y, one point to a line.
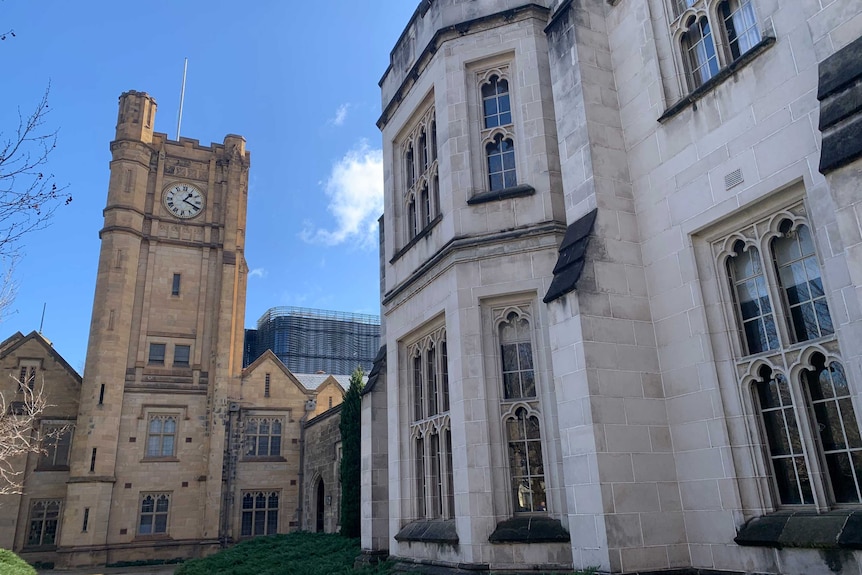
x: 297, y: 79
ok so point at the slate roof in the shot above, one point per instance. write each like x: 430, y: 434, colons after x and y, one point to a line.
x: 570, y: 263
x: 312, y: 381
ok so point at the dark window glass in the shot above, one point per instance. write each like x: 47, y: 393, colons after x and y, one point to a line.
x: 501, y: 163
x: 699, y: 50
x: 154, y: 514
x: 740, y: 26
x: 175, y: 286
x: 525, y: 463
x: 784, y: 442
x: 259, y: 513
x: 181, y: 355
x: 44, y: 519
x: 495, y: 103
x: 835, y: 420
x: 157, y: 354
x: 56, y: 442
x: 752, y: 298
x: 799, y: 275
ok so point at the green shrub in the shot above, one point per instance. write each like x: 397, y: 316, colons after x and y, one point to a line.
x: 294, y: 554
x: 11, y: 564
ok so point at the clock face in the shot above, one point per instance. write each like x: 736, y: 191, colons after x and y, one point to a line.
x: 184, y: 200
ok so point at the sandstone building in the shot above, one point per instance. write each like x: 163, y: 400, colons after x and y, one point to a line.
x: 170, y: 449
x: 621, y: 256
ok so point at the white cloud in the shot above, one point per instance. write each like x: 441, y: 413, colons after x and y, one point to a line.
x: 258, y: 273
x: 355, y: 191
x: 340, y: 115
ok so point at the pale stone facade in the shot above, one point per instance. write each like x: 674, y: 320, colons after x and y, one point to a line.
x: 597, y: 214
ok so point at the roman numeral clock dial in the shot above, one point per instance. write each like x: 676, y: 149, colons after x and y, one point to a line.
x: 184, y: 200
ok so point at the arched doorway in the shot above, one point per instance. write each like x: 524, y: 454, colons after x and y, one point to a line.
x: 320, y: 505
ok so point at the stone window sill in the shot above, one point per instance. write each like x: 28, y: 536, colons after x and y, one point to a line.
x: 263, y: 459
x: 160, y: 460
x: 839, y: 529
x: 529, y: 529
x: 429, y: 531
x: 718, y: 79
x: 496, y: 195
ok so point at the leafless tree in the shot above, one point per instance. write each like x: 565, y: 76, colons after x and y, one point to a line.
x: 20, y: 433
x: 28, y: 193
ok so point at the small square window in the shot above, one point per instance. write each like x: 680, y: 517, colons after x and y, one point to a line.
x: 157, y: 354
x: 181, y: 355
x: 175, y: 286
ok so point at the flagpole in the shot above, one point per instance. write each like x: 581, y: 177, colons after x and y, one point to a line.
x: 182, y: 97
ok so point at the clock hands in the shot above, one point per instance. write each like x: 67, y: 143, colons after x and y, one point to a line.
x: 186, y: 200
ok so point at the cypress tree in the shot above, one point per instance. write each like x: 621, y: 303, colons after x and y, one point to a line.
x: 350, y: 456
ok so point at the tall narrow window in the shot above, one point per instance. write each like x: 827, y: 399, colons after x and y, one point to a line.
x: 425, y: 198
x: 421, y: 486
x: 27, y: 377
x: 520, y: 410
x: 838, y: 436
x: 266, y: 386
x: 740, y: 26
x: 175, y: 285
x: 412, y: 220
x: 786, y: 452
x: 259, y: 513
x: 44, y: 519
x: 419, y: 156
x: 423, y: 152
x: 516, y: 350
x: 431, y: 379
x: 799, y: 274
x: 56, y: 443
x: 418, y: 389
x: 752, y: 299
x: 699, y: 51
x: 525, y: 462
x: 499, y: 147
x: 496, y: 107
x: 153, y: 518
x: 410, y: 166
x: 430, y: 428
x: 161, y: 436
x: 501, y: 163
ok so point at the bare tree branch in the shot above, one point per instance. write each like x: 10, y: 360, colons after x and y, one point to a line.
x: 28, y: 194
x: 20, y: 433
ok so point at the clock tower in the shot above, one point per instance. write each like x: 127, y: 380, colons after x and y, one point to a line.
x: 165, y: 351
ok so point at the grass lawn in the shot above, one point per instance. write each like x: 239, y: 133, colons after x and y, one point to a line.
x: 293, y: 554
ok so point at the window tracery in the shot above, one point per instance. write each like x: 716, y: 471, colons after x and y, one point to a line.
x: 430, y: 431
x: 520, y: 411
x: 421, y: 195
x: 788, y: 362
x: 711, y: 34
x: 498, y: 141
